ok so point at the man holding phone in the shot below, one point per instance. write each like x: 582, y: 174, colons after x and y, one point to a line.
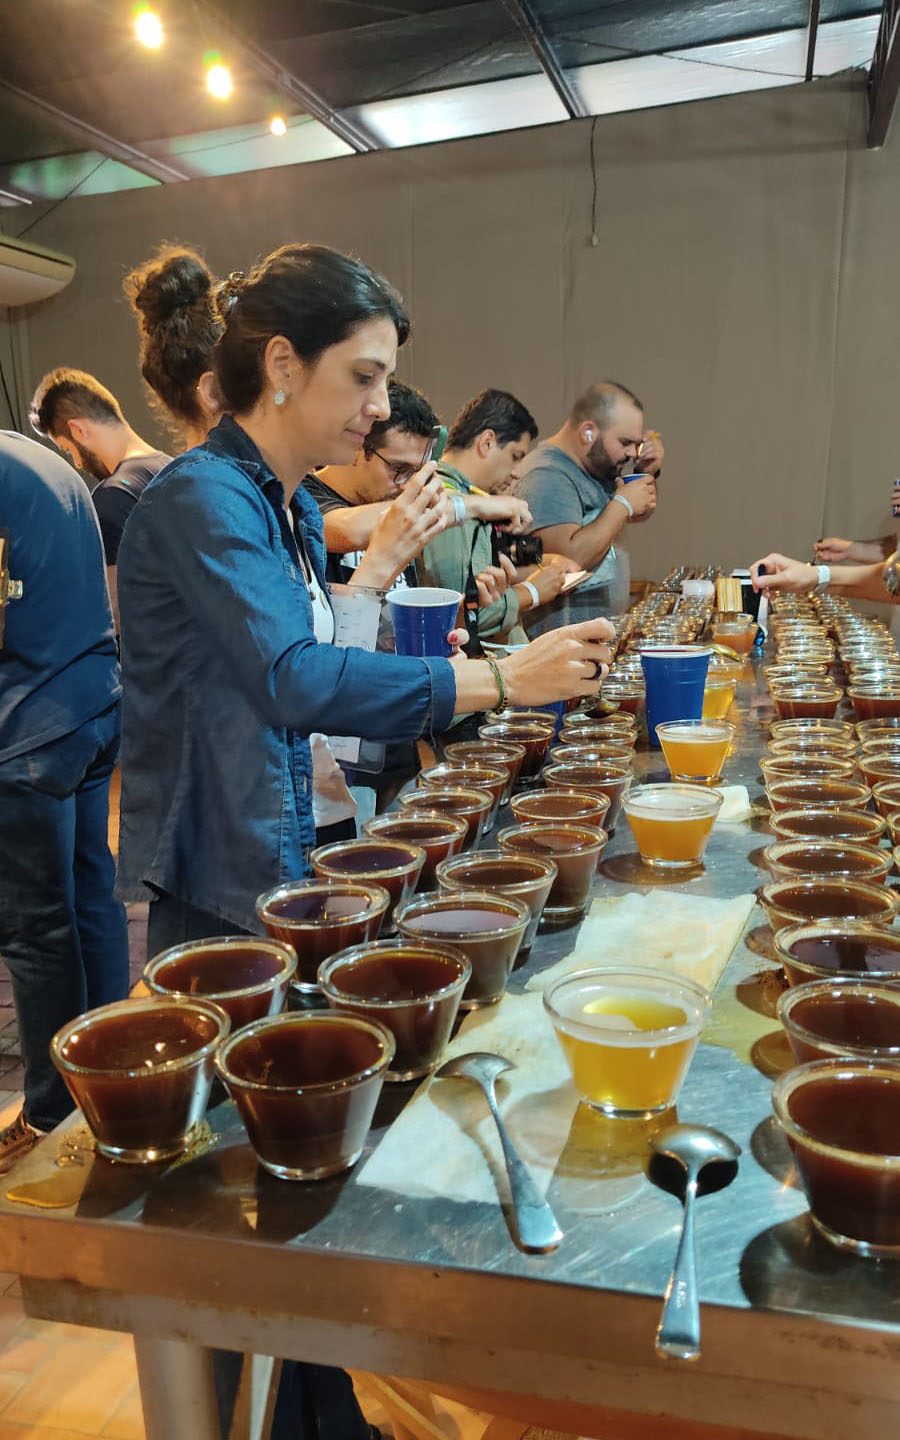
x: 584, y: 485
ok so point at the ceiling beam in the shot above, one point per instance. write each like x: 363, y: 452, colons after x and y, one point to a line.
x: 533, y: 30
x: 285, y: 82
x: 884, y: 77
x: 812, y: 34
x: 93, y: 139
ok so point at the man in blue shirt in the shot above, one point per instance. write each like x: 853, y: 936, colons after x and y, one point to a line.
x: 62, y: 934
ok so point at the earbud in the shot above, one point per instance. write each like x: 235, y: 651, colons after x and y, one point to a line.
x: 589, y: 436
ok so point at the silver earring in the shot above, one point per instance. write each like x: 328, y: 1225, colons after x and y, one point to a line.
x: 279, y: 397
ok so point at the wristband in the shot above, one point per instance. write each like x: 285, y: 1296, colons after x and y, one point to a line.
x: 532, y: 590
x: 459, y: 508
x: 627, y: 503
x: 824, y: 580
x: 501, y: 688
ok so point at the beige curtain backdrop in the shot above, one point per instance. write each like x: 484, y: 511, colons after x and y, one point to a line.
x: 745, y: 283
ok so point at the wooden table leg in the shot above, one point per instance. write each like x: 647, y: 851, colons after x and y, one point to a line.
x: 177, y: 1392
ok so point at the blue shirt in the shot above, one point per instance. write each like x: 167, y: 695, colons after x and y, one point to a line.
x: 224, y: 680
x: 58, y: 665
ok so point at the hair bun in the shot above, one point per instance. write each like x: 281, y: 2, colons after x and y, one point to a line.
x: 174, y: 280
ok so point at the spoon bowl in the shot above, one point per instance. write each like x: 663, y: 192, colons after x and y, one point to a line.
x: 692, y: 1147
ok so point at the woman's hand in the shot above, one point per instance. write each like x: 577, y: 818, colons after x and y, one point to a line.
x: 782, y: 573
x: 547, y: 580
x: 560, y: 665
x: 420, y: 512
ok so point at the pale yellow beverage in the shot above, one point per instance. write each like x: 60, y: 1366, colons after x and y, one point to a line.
x: 671, y: 823
x: 695, y: 750
x: 717, y: 698
x: 628, y: 1035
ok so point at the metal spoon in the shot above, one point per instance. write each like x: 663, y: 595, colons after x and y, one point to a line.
x: 891, y: 573
x: 535, y: 1221
x: 692, y: 1146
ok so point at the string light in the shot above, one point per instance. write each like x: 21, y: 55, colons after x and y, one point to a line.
x: 278, y: 125
x: 218, y: 80
x: 148, y: 28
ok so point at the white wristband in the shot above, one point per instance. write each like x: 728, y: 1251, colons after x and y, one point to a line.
x: 459, y: 508
x: 627, y: 503
x: 824, y: 580
x: 532, y: 590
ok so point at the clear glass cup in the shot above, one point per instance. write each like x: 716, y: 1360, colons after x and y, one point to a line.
x: 575, y: 851
x: 394, y: 864
x: 859, y: 827
x: 840, y: 1118
x: 628, y: 1034
x: 873, y: 702
x: 528, y: 878
x: 494, y: 779
x: 601, y: 778
x: 410, y: 987
x: 854, y: 1017
x: 473, y: 806
x: 827, y: 859
x: 486, y: 926
x: 798, y: 902
x: 534, y: 735
x: 245, y: 976
x: 306, y: 1087
x: 318, y: 917
x: 439, y: 835
x: 816, y: 793
x: 141, y: 1072
x: 811, y: 726
x: 494, y: 753
x: 834, y: 949
x: 695, y: 750
x: 672, y: 823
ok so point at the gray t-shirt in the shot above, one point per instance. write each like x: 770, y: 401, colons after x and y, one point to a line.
x: 559, y: 492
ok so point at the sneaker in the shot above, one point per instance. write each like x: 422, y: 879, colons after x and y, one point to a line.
x: 17, y: 1140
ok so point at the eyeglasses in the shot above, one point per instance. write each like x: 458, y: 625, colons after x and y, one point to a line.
x: 401, y: 473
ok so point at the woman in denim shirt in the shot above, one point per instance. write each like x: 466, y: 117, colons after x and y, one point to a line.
x: 222, y: 574
x: 224, y: 614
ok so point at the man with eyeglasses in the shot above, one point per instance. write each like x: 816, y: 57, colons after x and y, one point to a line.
x: 353, y: 498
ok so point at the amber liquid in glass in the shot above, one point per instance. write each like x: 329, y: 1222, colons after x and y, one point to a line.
x: 859, y: 1201
x: 671, y: 841
x: 329, y: 923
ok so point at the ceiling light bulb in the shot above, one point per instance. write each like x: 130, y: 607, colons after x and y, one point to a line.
x: 278, y: 125
x: 218, y: 81
x: 148, y: 29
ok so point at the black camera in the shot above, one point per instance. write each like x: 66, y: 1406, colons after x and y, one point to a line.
x: 521, y: 549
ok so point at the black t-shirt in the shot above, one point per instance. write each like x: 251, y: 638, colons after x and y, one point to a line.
x: 116, y: 496
x: 339, y: 569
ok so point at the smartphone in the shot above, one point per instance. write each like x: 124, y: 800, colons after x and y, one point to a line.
x: 436, y: 442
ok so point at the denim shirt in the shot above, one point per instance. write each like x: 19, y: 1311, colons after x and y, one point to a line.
x: 223, y: 681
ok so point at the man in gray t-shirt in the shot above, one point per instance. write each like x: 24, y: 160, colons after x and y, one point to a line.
x: 572, y: 483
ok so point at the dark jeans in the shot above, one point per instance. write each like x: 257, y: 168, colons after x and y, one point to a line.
x: 315, y: 1402
x: 62, y: 934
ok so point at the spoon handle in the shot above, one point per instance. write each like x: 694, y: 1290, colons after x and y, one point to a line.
x: 679, y: 1326
x: 536, y: 1223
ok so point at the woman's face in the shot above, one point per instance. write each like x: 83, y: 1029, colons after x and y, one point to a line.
x: 335, y: 401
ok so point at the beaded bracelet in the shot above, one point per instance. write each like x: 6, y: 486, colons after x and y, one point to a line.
x: 501, y: 688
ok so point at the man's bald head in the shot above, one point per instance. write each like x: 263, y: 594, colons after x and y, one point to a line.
x: 599, y: 402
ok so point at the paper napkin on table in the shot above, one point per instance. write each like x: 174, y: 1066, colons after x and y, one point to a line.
x: 445, y: 1142
x: 690, y: 935
x: 735, y: 804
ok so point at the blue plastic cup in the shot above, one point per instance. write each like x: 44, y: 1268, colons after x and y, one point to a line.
x: 675, y: 677
x: 423, y: 616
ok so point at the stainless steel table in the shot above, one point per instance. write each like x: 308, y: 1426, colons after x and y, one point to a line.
x: 798, y: 1339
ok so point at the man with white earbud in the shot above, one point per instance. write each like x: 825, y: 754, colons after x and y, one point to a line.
x: 579, y: 502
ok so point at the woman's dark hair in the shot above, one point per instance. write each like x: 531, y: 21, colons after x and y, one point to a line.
x: 172, y: 295
x: 314, y: 296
